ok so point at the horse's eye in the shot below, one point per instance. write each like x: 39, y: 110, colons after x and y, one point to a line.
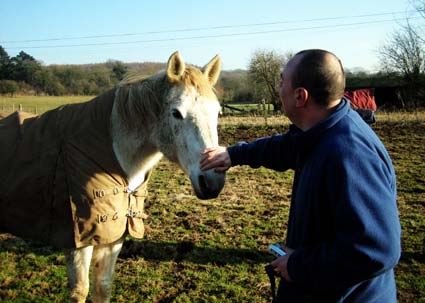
x: 176, y: 114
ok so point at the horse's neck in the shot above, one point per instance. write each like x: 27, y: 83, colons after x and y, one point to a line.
x: 137, y: 164
x: 136, y: 155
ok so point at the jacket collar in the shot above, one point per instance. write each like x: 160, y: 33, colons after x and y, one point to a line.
x: 305, y: 140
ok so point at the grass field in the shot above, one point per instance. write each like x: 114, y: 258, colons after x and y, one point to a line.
x: 38, y: 104
x: 215, y: 250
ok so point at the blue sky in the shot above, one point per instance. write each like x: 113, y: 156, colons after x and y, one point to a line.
x: 150, y: 30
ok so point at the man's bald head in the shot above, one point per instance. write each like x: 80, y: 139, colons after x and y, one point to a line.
x: 321, y: 73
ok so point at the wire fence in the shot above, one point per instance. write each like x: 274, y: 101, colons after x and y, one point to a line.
x: 19, y: 107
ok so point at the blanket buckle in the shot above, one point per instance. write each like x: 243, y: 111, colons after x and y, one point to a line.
x: 132, y: 214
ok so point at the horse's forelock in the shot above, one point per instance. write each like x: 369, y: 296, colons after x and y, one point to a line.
x: 195, y: 78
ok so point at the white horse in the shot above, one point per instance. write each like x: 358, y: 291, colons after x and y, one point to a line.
x: 89, y: 164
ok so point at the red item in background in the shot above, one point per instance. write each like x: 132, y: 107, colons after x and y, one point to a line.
x: 361, y: 99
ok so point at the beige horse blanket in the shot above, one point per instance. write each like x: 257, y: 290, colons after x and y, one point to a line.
x: 60, y: 181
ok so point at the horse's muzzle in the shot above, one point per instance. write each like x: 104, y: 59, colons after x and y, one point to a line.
x: 208, y: 185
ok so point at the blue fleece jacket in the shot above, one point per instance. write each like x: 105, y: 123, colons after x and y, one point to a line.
x: 343, y: 221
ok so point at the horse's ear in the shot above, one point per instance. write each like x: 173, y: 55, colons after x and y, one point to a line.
x: 212, y: 69
x: 175, y: 67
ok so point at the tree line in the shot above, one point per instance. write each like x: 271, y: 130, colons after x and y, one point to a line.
x: 23, y: 73
x: 26, y: 75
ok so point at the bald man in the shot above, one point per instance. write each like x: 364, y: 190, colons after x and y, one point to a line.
x: 343, y: 236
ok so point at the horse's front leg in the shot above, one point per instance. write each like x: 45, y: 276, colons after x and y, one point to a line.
x: 78, y: 267
x: 104, y: 259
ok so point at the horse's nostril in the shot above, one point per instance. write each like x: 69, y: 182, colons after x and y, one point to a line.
x: 202, y: 183
x: 207, y: 186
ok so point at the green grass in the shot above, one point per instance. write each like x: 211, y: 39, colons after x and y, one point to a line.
x: 38, y: 104
x: 215, y: 250
x: 406, y: 144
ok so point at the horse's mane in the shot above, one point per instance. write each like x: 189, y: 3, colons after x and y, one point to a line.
x: 140, y: 98
x: 194, y: 77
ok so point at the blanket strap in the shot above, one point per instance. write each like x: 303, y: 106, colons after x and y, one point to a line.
x: 135, y: 197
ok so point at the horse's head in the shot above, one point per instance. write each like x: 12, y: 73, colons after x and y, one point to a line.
x: 173, y: 113
x: 190, y: 121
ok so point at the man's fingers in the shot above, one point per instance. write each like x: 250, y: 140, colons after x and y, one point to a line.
x: 221, y: 169
x: 218, y: 164
x: 206, y: 157
x: 207, y: 165
x: 214, y: 157
x: 207, y: 150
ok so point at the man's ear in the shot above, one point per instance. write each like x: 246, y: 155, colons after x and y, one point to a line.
x: 301, y: 96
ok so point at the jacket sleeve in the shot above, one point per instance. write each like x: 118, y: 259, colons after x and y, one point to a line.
x: 276, y: 152
x: 366, y: 238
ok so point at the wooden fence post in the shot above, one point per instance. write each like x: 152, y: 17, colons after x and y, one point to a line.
x: 263, y: 101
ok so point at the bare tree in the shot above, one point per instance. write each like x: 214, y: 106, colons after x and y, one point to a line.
x: 404, y: 53
x: 419, y: 6
x: 264, y: 72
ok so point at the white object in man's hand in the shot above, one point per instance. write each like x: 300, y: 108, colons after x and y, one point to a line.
x: 276, y: 250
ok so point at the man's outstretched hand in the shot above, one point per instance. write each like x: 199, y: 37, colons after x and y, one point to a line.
x: 217, y: 158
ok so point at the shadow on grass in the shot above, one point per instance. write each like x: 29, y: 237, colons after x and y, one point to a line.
x: 153, y: 251
x: 169, y: 251
x: 408, y: 257
x: 189, y: 251
x: 15, y: 245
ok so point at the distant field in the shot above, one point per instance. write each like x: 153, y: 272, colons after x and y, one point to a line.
x: 38, y: 104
